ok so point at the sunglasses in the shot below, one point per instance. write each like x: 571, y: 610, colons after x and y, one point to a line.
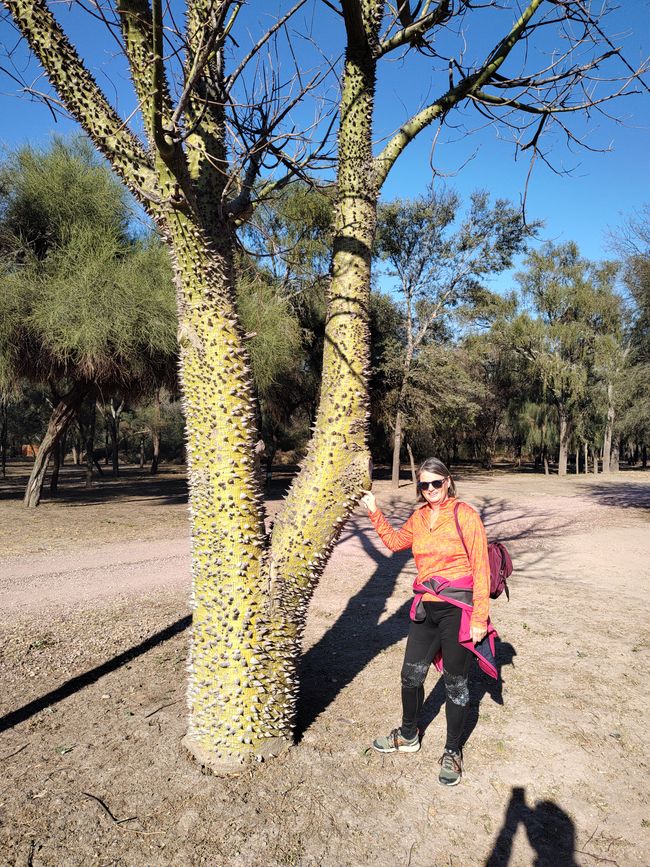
x: 427, y: 486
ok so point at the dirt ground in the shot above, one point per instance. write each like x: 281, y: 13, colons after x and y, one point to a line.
x: 93, y: 642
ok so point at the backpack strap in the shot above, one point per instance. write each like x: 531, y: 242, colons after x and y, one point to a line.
x: 458, y: 530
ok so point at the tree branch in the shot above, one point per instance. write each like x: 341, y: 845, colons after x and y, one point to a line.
x: 82, y: 97
x: 386, y: 159
x: 413, y: 32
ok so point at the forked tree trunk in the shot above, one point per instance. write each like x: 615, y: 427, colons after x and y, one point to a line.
x: 61, y: 417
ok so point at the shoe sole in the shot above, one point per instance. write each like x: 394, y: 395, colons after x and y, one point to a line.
x: 412, y: 749
x: 450, y: 783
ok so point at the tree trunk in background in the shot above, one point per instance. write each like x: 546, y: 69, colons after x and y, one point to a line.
x: 56, y: 465
x: 113, y: 417
x: 564, y: 444
x: 61, y: 417
x: 107, y: 440
x: 577, y: 461
x: 585, y: 455
x: 155, y: 435
x: 397, y: 447
x: 4, y: 424
x: 644, y: 456
x: 614, y: 460
x: 142, y: 437
x: 609, y: 429
x: 594, y: 455
x: 90, y: 443
x: 414, y: 473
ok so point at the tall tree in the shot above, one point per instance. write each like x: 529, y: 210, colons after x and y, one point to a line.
x: 84, y: 309
x: 198, y: 186
x: 573, y: 302
x: 440, y: 261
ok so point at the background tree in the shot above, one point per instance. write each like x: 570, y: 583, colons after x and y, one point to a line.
x: 574, y: 302
x: 85, y: 310
x: 440, y: 261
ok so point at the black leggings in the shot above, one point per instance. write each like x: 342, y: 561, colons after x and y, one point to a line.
x: 439, y: 631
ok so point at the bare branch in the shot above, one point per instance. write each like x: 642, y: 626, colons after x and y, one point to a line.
x: 82, y: 97
x: 414, y: 32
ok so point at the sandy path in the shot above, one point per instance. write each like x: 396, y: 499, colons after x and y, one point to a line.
x: 31, y: 584
x: 556, y: 764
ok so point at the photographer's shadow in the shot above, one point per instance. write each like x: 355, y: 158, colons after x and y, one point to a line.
x: 480, y: 684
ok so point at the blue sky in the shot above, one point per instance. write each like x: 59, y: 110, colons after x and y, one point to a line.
x: 601, y: 191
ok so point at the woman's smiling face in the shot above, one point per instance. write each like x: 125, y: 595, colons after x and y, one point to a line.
x: 434, y: 496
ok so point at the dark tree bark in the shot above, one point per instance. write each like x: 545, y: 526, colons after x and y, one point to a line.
x: 90, y: 443
x: 4, y: 424
x: 61, y: 417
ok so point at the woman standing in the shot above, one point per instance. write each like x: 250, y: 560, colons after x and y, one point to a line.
x: 450, y: 611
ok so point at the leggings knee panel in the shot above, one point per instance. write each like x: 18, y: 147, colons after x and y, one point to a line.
x: 457, y: 687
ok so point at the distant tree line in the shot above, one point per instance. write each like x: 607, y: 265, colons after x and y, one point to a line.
x: 88, y: 350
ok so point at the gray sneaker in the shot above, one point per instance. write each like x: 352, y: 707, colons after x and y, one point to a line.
x: 451, y: 768
x: 395, y: 743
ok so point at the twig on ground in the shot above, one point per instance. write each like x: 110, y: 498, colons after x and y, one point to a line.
x: 162, y: 707
x: 15, y: 752
x: 597, y: 857
x: 103, y: 804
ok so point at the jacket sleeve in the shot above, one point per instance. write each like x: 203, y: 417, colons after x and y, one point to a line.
x: 476, y: 543
x: 395, y: 540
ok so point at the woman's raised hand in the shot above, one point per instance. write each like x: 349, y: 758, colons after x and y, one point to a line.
x: 369, y: 501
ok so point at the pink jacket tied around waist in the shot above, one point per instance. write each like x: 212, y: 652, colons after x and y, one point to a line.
x: 459, y: 593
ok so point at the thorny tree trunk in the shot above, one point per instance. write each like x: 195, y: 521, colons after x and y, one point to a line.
x: 62, y: 415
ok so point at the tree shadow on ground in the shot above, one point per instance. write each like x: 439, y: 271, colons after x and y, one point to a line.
x: 624, y: 495
x: 92, y: 675
x: 356, y: 637
x: 133, y: 484
x: 550, y: 831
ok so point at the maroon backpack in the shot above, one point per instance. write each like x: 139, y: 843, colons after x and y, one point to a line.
x: 500, y: 563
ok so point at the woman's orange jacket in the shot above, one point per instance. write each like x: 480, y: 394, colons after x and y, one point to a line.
x: 439, y: 550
